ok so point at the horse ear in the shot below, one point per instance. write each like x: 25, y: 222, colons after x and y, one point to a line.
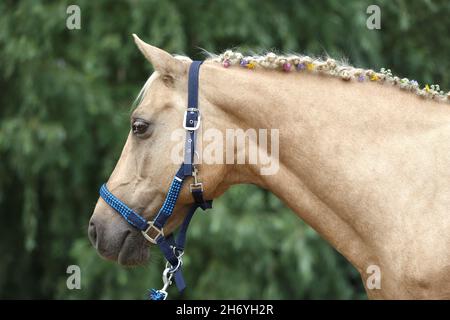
x: 162, y: 61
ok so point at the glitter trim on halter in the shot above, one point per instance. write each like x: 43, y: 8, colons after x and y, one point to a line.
x: 330, y: 67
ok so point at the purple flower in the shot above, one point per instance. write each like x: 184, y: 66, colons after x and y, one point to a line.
x: 243, y: 63
x: 301, y: 66
x: 361, y: 78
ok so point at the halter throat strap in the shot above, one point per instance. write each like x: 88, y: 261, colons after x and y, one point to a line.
x: 153, y: 231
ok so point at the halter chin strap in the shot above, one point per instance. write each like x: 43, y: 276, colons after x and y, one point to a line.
x: 153, y: 231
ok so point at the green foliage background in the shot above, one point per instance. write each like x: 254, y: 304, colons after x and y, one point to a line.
x: 64, y: 107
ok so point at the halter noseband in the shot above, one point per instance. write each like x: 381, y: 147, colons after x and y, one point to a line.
x: 153, y: 231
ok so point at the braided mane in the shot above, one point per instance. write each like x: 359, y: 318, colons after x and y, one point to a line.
x: 301, y: 63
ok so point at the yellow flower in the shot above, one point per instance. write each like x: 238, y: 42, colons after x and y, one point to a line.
x: 251, y: 65
x: 427, y: 88
x: 310, y: 66
x: 374, y: 77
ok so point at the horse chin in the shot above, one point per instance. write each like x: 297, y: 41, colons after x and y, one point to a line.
x: 134, y: 250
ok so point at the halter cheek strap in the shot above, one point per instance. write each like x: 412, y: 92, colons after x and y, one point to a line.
x: 153, y: 231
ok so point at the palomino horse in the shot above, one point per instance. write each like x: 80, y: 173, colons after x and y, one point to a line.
x: 367, y: 165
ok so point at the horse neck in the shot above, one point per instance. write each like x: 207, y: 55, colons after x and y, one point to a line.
x: 339, y: 144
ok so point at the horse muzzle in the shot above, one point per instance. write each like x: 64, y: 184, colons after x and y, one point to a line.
x: 114, y: 239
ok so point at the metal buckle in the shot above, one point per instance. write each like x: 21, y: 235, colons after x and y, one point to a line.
x: 197, y: 125
x: 197, y: 185
x: 159, y: 232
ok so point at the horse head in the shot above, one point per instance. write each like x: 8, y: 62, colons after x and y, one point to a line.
x: 149, y: 159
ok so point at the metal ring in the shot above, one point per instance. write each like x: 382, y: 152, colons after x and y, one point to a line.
x: 175, y: 249
x: 196, y: 154
x: 160, y: 232
x: 174, y: 269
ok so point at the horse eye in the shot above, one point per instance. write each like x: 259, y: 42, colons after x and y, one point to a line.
x: 139, y: 126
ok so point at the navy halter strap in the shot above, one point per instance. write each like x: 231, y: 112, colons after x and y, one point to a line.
x: 153, y: 231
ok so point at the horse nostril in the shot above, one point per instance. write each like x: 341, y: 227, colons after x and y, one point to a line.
x: 92, y: 233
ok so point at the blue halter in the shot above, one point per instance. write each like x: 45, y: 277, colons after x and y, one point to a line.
x: 153, y: 231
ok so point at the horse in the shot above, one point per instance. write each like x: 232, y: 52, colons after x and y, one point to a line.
x: 362, y: 160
